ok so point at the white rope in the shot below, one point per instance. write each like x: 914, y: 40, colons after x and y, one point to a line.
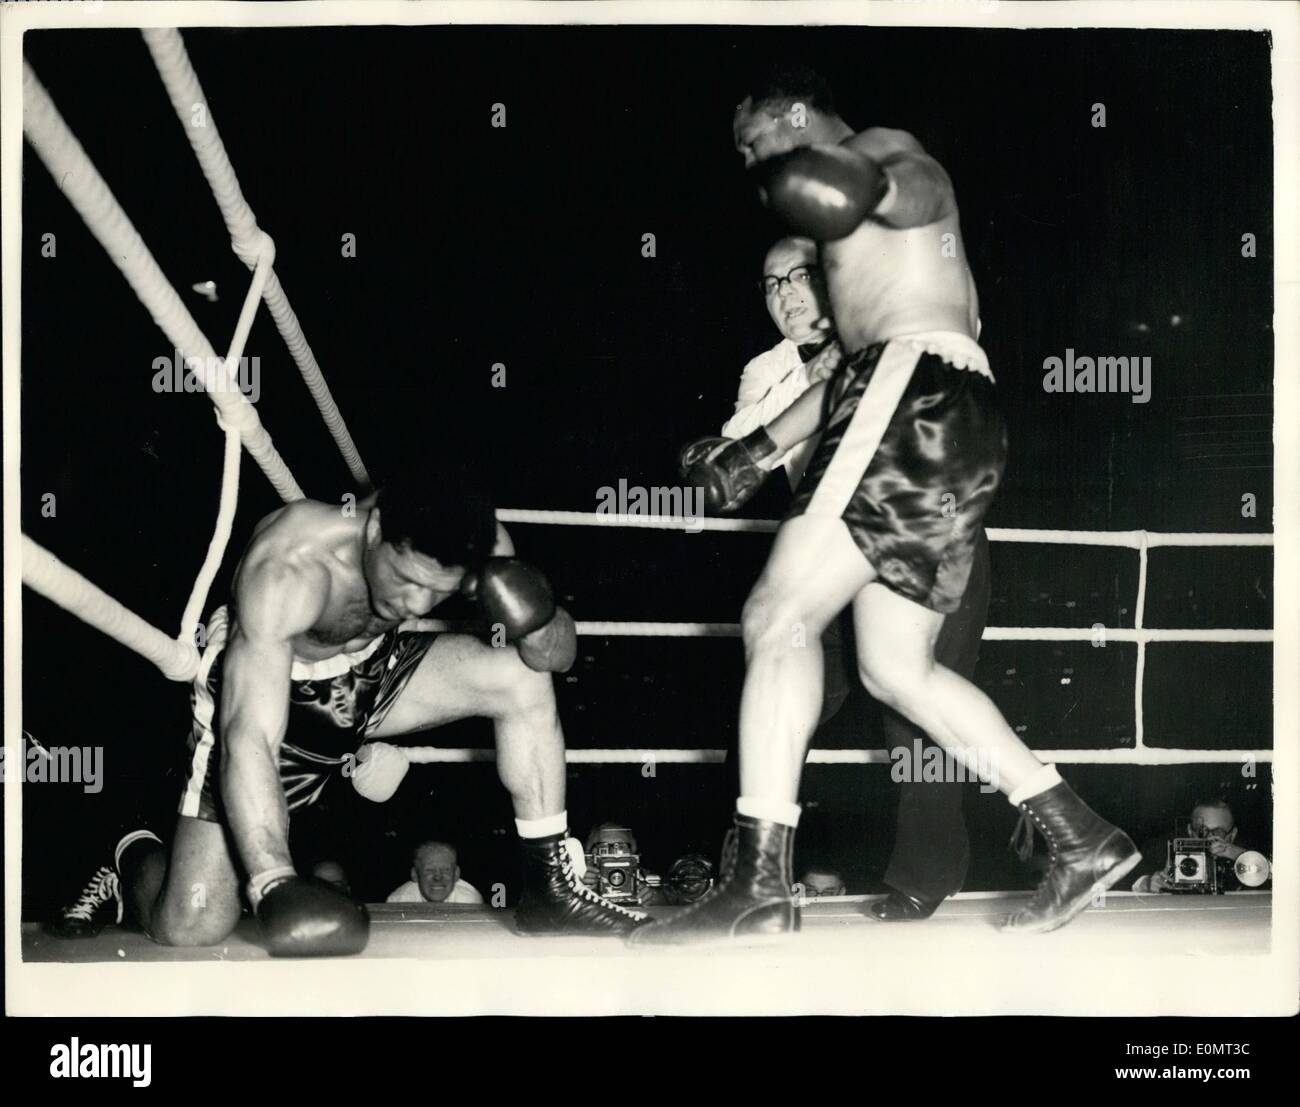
x: 186, y: 94
x: 1140, y: 671
x: 434, y: 755
x: 229, y: 501
x: 80, y: 181
x: 597, y: 629
x: 46, y: 574
x: 651, y: 522
x: 1132, y: 539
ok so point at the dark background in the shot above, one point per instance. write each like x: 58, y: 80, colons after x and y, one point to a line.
x: 522, y: 246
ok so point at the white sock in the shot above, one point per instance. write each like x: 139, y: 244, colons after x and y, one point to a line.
x: 130, y: 840
x: 545, y: 827
x: 771, y: 810
x: 1040, y: 781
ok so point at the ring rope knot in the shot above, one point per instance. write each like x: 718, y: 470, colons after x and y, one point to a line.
x: 250, y: 249
x: 238, y: 417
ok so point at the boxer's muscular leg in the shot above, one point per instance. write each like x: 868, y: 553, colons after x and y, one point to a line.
x: 185, y: 895
x: 896, y: 644
x: 459, y: 677
x: 931, y: 852
x: 813, y: 572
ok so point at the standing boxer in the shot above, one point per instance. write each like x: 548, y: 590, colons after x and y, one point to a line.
x: 887, y: 516
x: 931, y: 851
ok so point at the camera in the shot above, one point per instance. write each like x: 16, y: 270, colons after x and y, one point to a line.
x: 1192, y: 867
x: 613, y: 859
x: 689, y: 879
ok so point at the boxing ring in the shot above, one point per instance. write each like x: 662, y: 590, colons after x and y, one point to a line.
x: 838, y: 928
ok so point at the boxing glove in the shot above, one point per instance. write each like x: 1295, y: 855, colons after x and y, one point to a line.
x: 512, y: 594
x: 728, y: 470
x: 823, y: 192
x: 379, y: 770
x: 552, y: 648
x: 306, y: 917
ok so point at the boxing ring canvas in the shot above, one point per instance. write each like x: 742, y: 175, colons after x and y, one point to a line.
x: 1136, y: 953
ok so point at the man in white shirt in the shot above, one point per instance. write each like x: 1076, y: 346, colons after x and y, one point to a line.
x: 435, y: 878
x: 931, y: 852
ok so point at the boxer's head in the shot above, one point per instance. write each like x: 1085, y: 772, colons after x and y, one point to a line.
x: 785, y: 107
x: 794, y: 290
x: 435, y: 870
x: 1213, y: 819
x: 822, y: 882
x: 420, y: 539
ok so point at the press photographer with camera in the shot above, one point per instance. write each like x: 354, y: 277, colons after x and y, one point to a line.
x: 1202, y: 857
x: 614, y: 868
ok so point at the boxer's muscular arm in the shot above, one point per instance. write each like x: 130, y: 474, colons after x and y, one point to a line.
x: 919, y: 192
x: 801, y: 420
x: 274, y: 603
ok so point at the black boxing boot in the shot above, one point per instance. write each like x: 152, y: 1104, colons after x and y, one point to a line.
x: 1086, y: 855
x: 752, y: 898
x: 555, y: 901
x: 99, y: 904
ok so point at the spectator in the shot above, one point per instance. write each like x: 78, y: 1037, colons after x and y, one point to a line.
x: 1210, y: 818
x: 435, y: 878
x: 819, y: 882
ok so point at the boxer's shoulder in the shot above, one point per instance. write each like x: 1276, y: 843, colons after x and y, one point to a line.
x: 884, y: 142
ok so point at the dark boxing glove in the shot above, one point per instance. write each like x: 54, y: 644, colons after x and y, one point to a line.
x: 306, y: 917
x: 513, y: 594
x: 552, y: 648
x: 823, y: 192
x: 729, y: 470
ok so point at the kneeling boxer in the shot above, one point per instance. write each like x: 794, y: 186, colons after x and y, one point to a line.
x: 307, y: 665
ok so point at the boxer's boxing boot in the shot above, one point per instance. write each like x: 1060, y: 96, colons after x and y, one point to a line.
x: 100, y: 901
x: 1087, y: 855
x: 753, y: 897
x: 99, y: 904
x: 555, y: 901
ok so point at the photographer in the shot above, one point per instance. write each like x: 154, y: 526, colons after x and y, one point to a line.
x: 614, y: 868
x: 1211, y: 821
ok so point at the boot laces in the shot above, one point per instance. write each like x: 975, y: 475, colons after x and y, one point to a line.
x: 103, y: 886
x: 1030, y: 819
x: 586, y: 894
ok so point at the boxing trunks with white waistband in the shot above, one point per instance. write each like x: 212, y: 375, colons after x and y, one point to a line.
x: 913, y: 449
x: 334, y: 705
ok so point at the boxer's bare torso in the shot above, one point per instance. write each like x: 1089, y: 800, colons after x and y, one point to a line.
x: 888, y: 281
x: 315, y: 553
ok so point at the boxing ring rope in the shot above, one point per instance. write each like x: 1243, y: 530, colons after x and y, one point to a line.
x: 186, y: 94
x: 76, y: 176
x: 78, y: 179
x: 1139, y: 540
x: 177, y: 658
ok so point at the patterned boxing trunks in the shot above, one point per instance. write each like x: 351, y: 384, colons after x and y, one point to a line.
x: 333, y: 706
x: 912, y: 453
